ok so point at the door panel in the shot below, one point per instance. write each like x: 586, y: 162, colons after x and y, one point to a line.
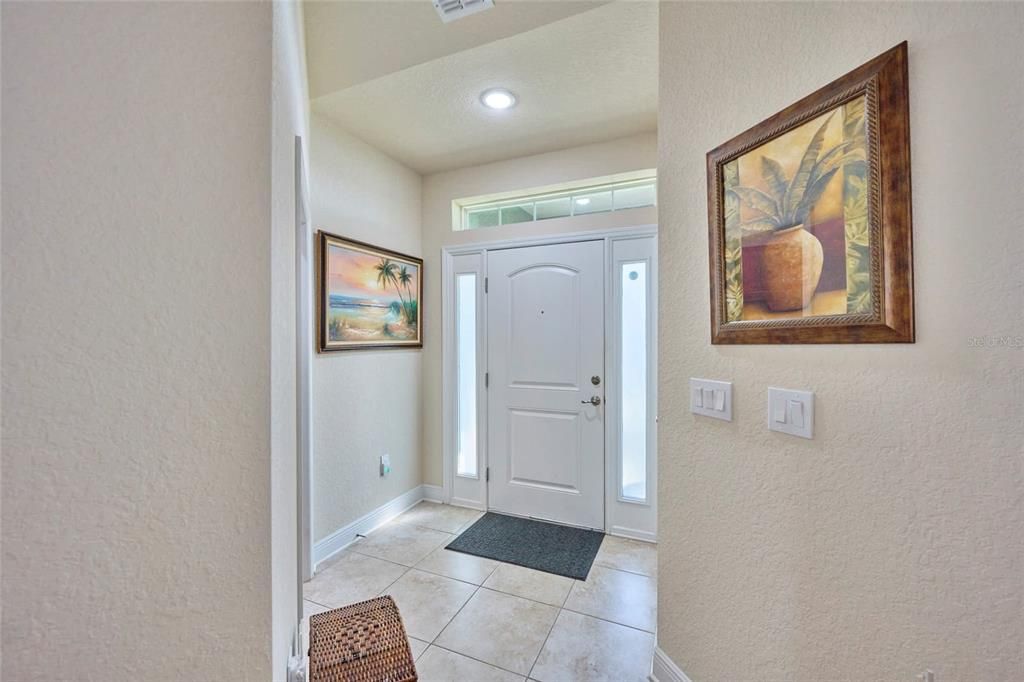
x: 535, y: 328
x: 545, y: 317
x: 534, y: 431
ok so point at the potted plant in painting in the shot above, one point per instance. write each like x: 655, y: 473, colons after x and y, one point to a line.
x: 792, y: 256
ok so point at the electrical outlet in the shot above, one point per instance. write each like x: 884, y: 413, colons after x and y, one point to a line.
x: 385, y: 465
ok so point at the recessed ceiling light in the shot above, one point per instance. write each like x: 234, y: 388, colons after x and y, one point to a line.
x: 498, y: 98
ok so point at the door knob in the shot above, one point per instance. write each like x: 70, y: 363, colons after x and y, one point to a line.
x: 594, y: 400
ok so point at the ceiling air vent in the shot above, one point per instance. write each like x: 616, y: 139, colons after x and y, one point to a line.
x: 450, y: 10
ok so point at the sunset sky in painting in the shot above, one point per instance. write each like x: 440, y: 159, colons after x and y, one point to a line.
x: 353, y: 273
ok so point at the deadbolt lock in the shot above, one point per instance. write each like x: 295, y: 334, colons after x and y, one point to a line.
x: 596, y: 380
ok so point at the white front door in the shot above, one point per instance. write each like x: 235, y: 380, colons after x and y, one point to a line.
x: 545, y: 320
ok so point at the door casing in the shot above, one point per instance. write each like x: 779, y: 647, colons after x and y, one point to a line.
x: 614, y: 504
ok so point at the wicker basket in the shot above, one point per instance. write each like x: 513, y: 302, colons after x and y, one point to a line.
x: 363, y: 642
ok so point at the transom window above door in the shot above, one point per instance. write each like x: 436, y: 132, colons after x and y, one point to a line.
x: 596, y: 195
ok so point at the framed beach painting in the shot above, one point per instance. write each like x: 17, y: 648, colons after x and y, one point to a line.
x: 369, y: 297
x: 809, y: 217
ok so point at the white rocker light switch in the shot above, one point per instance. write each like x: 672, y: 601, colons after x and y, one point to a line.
x: 711, y: 398
x: 796, y: 414
x: 791, y: 412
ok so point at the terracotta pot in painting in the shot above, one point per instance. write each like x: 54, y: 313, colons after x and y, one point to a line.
x: 792, y: 262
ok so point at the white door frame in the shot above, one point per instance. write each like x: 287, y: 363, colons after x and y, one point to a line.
x: 627, y: 517
x: 448, y: 395
x: 303, y: 368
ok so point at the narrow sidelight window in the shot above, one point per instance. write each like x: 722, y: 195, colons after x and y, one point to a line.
x: 465, y: 339
x: 633, y: 381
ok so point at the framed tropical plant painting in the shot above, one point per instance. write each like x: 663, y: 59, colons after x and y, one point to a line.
x: 809, y: 217
x: 369, y: 297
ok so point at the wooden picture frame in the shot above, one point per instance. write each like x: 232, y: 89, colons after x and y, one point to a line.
x: 367, y: 297
x: 864, y: 179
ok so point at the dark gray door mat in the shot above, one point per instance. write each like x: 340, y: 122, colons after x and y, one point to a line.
x: 543, y: 546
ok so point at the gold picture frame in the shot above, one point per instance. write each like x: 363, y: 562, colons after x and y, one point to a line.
x: 809, y: 217
x: 368, y: 297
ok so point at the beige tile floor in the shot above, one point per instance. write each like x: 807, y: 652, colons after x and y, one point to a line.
x: 471, y: 619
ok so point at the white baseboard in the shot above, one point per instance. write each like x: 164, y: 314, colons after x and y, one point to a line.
x: 469, y: 504
x: 633, y: 533
x: 434, y: 493
x: 345, y: 536
x: 664, y: 669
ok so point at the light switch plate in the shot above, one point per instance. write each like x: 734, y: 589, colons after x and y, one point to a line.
x: 711, y: 398
x: 791, y: 412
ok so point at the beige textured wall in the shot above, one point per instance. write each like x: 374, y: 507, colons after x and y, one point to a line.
x: 626, y: 154
x: 892, y: 541
x: 136, y: 341
x: 365, y: 403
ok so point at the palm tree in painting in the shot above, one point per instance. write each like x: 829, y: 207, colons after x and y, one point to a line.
x: 387, y: 273
x: 405, y: 278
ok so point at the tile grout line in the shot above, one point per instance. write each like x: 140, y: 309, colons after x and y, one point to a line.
x: 392, y: 583
x: 569, y: 593
x: 611, y: 622
x: 558, y: 615
x: 352, y: 548
x: 497, y: 565
x: 517, y: 596
x: 480, y: 586
x: 370, y: 556
x: 452, y: 619
x: 558, y: 611
x: 540, y: 651
x: 565, y: 600
x: 625, y: 570
x: 442, y: 575
x: 460, y: 653
x: 393, y: 523
x: 472, y: 658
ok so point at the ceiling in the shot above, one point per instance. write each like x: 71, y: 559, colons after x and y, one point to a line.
x: 394, y: 75
x: 353, y: 41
